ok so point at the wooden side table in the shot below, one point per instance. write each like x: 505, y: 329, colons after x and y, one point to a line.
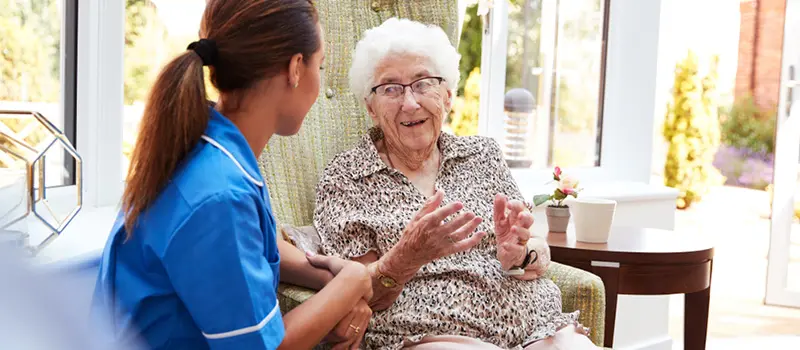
x: 646, y: 262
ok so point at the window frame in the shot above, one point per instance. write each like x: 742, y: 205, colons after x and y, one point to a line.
x: 67, y: 99
x: 69, y: 81
x: 617, y: 158
x: 98, y: 106
x: 628, y: 103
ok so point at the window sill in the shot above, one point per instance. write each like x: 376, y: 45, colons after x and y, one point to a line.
x: 532, y: 183
x: 84, y: 238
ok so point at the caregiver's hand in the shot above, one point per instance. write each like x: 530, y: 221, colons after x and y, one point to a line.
x: 427, y: 237
x: 349, y: 332
x: 356, y: 274
x: 512, y: 227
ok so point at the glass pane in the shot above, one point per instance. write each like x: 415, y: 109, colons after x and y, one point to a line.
x: 30, y: 80
x: 553, y: 82
x: 155, y: 32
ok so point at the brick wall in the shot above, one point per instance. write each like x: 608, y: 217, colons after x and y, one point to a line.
x: 760, y: 43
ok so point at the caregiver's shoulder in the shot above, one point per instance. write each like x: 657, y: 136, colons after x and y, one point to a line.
x: 211, y: 174
x: 208, y: 179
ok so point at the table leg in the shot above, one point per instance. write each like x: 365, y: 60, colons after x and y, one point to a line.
x: 695, y: 319
x: 610, y: 277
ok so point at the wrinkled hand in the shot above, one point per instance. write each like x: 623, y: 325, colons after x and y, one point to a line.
x: 353, y: 271
x: 349, y: 332
x: 427, y: 238
x: 512, y: 224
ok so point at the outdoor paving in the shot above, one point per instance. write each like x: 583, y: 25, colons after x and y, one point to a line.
x: 737, y: 221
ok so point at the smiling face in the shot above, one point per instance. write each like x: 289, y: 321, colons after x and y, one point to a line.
x: 411, y: 117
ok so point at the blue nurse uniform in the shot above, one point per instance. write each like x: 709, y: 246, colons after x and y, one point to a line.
x: 200, y: 270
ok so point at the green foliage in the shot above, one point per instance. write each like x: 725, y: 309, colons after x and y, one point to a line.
x: 144, y: 40
x: 557, y: 198
x: 746, y: 125
x: 692, y: 129
x: 469, y: 46
x: 465, y: 109
x: 29, y: 50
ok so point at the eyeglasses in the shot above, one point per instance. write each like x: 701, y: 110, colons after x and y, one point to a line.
x: 420, y: 86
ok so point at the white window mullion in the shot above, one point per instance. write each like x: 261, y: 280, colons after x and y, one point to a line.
x: 632, y: 68
x: 101, y: 27
x: 493, y: 71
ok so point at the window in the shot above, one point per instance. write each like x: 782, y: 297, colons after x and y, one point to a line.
x: 542, y: 95
x: 155, y: 32
x: 38, y: 74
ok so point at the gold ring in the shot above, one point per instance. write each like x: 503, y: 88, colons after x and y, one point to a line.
x: 357, y: 329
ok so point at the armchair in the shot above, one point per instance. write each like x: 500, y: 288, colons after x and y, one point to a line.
x: 292, y: 165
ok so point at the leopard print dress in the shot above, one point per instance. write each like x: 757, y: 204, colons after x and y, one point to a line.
x: 363, y: 205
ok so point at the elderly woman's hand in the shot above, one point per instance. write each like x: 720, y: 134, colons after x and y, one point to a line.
x: 427, y: 237
x: 512, y: 224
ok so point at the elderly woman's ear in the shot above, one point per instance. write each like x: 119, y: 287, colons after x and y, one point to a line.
x: 371, y: 111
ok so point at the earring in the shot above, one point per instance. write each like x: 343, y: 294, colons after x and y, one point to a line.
x: 295, y: 85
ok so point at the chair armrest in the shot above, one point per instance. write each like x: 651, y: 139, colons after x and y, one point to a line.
x: 581, y: 290
x: 290, y: 296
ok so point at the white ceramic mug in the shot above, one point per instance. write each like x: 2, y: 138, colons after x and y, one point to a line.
x: 593, y: 218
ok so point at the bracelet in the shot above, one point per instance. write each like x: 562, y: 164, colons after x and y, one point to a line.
x: 526, y: 260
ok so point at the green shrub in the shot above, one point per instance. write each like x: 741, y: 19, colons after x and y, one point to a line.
x: 692, y: 129
x: 745, y: 125
x: 464, y: 119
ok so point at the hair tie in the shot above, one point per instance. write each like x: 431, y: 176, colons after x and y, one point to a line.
x: 206, y: 49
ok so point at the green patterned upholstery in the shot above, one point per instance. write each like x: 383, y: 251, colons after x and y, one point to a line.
x: 292, y: 165
x: 583, y: 291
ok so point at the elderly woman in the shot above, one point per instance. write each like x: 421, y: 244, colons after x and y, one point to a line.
x: 437, y: 219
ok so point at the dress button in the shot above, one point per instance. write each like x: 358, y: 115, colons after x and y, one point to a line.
x: 376, y: 6
x: 329, y: 93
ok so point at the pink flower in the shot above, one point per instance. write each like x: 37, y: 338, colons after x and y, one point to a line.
x: 557, y: 173
x: 567, y: 184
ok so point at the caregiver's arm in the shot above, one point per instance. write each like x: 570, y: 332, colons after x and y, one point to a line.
x: 296, y: 270
x: 307, y: 324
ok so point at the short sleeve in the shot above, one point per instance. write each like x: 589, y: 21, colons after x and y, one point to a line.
x: 505, y: 182
x: 342, y: 226
x: 217, y: 263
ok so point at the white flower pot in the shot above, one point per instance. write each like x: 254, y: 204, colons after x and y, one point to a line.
x: 593, y: 218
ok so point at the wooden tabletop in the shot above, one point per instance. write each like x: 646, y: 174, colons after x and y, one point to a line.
x: 636, y: 245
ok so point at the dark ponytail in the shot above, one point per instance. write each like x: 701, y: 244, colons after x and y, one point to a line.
x: 251, y: 41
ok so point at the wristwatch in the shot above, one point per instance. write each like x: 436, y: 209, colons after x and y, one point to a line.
x: 385, y: 281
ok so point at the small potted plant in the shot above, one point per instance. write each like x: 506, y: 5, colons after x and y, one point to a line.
x: 557, y: 212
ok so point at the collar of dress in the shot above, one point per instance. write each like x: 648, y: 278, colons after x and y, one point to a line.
x: 452, y: 147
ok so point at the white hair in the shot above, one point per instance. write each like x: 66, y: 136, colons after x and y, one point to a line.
x: 398, y: 36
